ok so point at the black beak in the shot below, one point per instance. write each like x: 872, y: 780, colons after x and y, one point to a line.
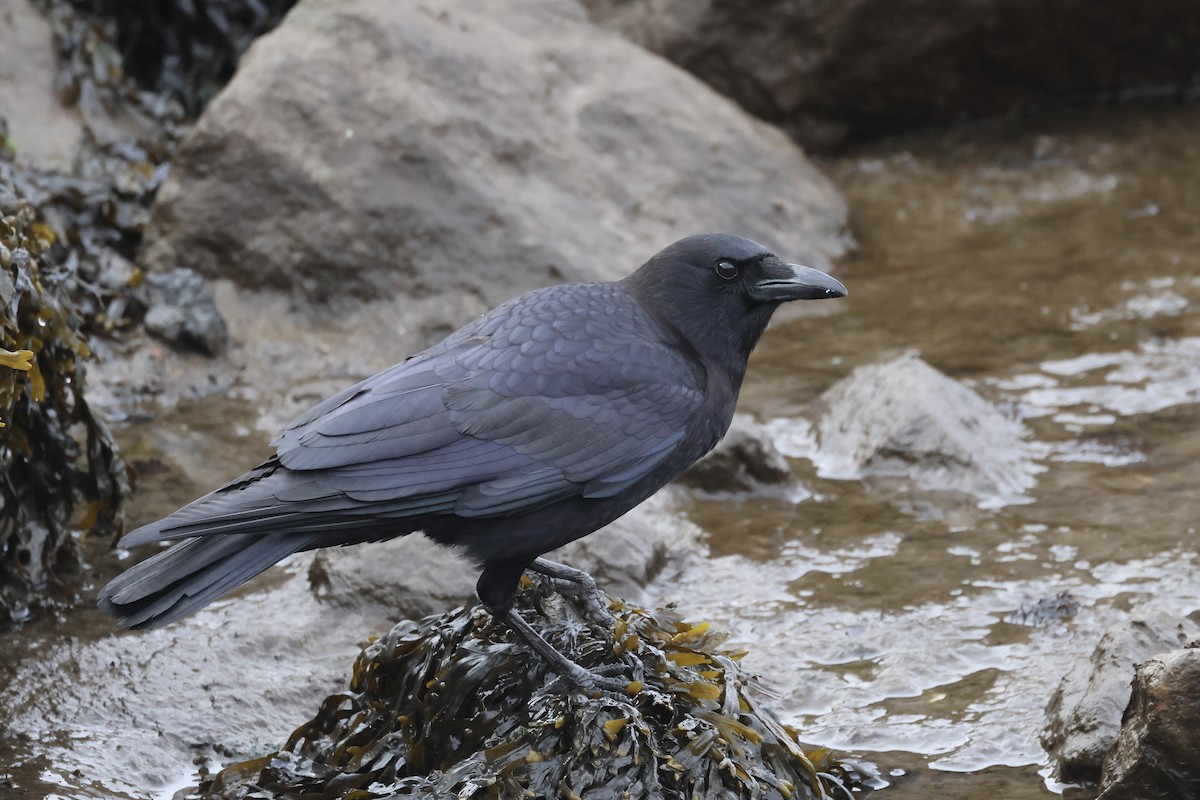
x: 782, y: 282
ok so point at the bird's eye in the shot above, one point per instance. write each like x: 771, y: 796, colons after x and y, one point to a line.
x: 727, y: 270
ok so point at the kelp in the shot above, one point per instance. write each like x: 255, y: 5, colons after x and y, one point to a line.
x: 54, y: 452
x: 453, y: 706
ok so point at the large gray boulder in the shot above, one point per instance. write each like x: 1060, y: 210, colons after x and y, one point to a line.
x: 461, y: 153
x: 828, y: 71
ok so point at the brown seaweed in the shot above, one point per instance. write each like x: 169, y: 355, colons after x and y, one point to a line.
x: 59, y: 467
x: 453, y: 706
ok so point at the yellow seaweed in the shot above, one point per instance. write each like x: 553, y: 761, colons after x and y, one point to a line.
x: 20, y: 359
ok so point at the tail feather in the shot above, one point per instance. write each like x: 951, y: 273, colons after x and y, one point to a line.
x: 174, y: 583
x: 232, y: 534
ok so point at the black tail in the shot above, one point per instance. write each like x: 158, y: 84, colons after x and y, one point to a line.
x: 232, y: 534
x: 192, y: 574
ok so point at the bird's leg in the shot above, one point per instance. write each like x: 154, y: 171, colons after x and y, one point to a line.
x: 578, y: 583
x: 580, y: 677
x: 496, y: 587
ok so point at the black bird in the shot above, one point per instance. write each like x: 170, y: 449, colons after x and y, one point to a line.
x: 534, y: 425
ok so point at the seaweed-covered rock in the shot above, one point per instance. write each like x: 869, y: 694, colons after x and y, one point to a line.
x: 94, y: 207
x: 44, y: 469
x: 91, y: 184
x: 183, y: 49
x: 453, y: 706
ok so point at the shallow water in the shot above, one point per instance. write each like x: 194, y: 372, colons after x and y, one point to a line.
x: 1057, y: 272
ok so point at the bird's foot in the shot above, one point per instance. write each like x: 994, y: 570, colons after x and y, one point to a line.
x: 590, y: 681
x: 579, y: 585
x: 606, y: 678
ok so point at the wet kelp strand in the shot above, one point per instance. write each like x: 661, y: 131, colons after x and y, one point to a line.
x: 452, y: 706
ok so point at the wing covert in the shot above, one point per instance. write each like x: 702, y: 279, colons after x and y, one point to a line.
x: 569, y: 391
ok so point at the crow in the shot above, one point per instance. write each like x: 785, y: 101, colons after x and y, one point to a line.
x: 532, y: 426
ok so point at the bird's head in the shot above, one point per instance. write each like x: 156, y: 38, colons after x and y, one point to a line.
x: 720, y: 290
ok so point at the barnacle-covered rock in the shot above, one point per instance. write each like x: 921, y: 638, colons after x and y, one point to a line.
x: 455, y: 707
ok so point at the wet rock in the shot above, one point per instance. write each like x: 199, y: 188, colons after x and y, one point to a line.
x: 1048, y: 609
x: 458, y: 154
x: 829, y: 72
x: 454, y: 707
x: 1158, y: 751
x: 905, y: 420
x: 1084, y: 713
x: 413, y: 576
x: 746, y: 460
x: 41, y: 129
x: 134, y: 712
x: 180, y: 311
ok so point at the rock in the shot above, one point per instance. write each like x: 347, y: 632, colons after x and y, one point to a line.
x: 905, y: 420
x: 1045, y: 610
x: 746, y: 460
x: 180, y: 311
x: 652, y: 544
x: 414, y: 577
x: 459, y: 154
x: 42, y: 130
x: 1158, y: 751
x: 61, y: 470
x: 1084, y: 713
x: 829, y: 72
